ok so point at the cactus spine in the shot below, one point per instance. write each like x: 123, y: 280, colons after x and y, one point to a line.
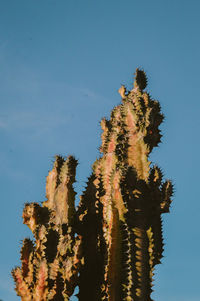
x: 118, y: 220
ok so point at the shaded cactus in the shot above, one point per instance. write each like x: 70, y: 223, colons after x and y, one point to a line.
x: 118, y: 220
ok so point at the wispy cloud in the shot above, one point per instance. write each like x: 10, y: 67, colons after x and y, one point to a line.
x: 41, y: 108
x: 27, y: 119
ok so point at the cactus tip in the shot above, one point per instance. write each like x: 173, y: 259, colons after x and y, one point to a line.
x: 140, y: 79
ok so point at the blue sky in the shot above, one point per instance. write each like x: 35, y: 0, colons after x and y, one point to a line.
x: 61, y: 64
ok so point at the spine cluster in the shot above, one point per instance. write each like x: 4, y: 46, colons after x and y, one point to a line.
x: 118, y: 221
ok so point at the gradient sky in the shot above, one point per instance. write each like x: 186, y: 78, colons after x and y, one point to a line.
x: 61, y: 64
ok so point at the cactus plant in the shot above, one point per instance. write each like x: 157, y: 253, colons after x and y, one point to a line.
x: 50, y: 265
x: 109, y: 245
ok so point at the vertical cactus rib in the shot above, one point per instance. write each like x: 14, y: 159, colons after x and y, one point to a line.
x: 132, y: 199
x: 50, y: 265
x: 110, y: 244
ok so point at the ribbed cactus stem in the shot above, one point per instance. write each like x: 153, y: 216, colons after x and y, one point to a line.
x: 50, y: 265
x: 118, y: 222
x: 130, y: 198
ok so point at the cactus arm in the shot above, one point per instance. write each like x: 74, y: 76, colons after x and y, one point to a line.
x: 50, y: 268
x: 21, y: 287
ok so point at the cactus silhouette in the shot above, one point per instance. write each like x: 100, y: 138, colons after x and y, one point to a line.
x: 109, y: 245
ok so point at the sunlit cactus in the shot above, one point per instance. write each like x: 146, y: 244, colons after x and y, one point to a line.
x: 50, y: 264
x: 117, y: 223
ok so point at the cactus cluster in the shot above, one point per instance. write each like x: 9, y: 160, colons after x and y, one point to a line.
x: 109, y: 245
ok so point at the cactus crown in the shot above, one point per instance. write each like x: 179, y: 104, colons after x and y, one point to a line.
x: 118, y: 220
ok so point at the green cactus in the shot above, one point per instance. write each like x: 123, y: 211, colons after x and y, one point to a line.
x: 118, y: 221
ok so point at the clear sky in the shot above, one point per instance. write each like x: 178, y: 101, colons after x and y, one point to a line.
x: 61, y: 64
